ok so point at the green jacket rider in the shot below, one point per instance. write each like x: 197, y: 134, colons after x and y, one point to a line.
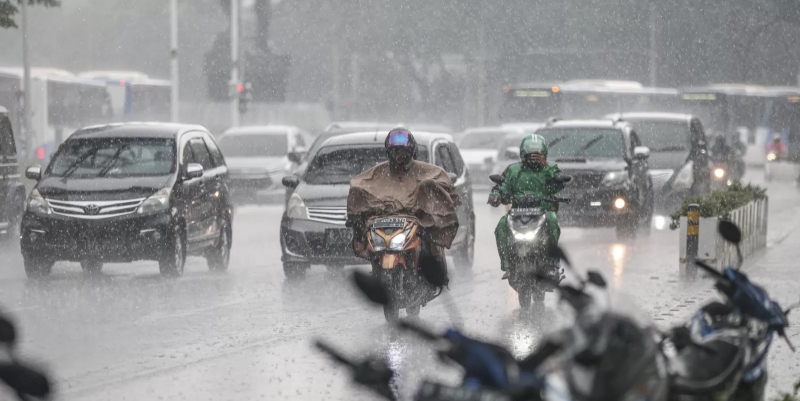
x: 533, y: 176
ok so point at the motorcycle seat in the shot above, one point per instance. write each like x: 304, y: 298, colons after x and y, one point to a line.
x: 700, y: 371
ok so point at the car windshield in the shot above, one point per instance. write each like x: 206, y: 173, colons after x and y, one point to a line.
x: 584, y: 142
x: 481, y: 140
x: 663, y: 136
x: 337, y: 165
x: 260, y: 145
x: 114, y: 157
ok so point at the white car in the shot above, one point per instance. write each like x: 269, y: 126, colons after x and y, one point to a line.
x: 478, y: 148
x: 258, y: 157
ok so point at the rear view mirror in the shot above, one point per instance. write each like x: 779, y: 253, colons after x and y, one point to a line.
x: 596, y: 278
x: 497, y: 179
x: 194, y: 170
x: 290, y: 181
x: 34, y: 173
x: 729, y: 231
x: 641, y: 152
x: 24, y: 380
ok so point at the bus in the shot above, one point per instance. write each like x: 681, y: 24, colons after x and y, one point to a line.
x: 532, y: 102
x: 60, y: 104
x: 135, y: 96
x: 781, y: 115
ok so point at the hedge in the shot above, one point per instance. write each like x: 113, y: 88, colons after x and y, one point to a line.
x: 720, y: 203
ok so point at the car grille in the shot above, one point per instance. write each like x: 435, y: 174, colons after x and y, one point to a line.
x: 660, y: 178
x: 331, y: 215
x: 585, y: 179
x: 94, y: 209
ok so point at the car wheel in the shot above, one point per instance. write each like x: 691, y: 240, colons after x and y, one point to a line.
x: 173, y: 257
x: 37, y: 267
x: 295, y: 271
x: 219, y: 256
x: 92, y: 266
x: 464, y: 256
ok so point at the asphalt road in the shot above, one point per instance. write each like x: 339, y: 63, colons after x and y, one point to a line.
x: 247, y: 333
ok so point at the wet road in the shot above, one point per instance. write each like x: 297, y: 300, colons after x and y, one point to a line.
x: 246, y: 334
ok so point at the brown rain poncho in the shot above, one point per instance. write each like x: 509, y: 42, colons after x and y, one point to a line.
x: 425, y: 192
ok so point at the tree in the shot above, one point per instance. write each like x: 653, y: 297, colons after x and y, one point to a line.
x: 8, y: 9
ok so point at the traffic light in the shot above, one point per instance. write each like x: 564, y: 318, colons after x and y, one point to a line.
x: 268, y: 73
x: 244, y: 97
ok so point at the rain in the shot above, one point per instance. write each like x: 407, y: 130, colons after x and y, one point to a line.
x: 181, y: 217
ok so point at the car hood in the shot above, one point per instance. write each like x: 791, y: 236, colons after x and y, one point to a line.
x: 255, y: 164
x: 477, y: 156
x: 667, y: 160
x: 78, y: 189
x: 323, y: 195
x: 592, y: 164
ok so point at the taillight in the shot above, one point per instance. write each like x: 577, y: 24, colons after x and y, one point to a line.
x: 40, y: 153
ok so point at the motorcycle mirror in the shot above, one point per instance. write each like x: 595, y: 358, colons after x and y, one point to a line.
x: 496, y: 178
x: 596, y: 278
x: 711, y: 271
x: 371, y: 287
x: 728, y: 230
x: 24, y: 380
x: 8, y: 334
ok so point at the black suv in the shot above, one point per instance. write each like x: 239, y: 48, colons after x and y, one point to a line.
x: 12, y: 191
x: 610, y: 181
x: 126, y: 192
x: 313, y: 226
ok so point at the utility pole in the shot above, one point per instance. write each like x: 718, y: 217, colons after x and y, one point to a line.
x: 481, y: 67
x: 653, y: 52
x: 174, y: 99
x: 234, y: 84
x: 26, y: 93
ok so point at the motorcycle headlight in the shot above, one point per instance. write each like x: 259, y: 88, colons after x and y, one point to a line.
x: 528, y: 236
x: 399, y: 241
x: 378, y: 243
x: 614, y: 178
x: 37, y: 204
x: 719, y: 173
x: 684, y: 179
x: 157, y: 202
x: 296, y: 208
x: 771, y: 156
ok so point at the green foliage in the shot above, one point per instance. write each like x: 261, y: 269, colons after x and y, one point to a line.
x: 8, y: 9
x: 720, y: 203
x: 793, y: 396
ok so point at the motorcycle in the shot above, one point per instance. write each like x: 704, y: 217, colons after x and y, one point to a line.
x: 735, y: 335
x: 526, y: 221
x: 25, y: 381
x: 395, y: 246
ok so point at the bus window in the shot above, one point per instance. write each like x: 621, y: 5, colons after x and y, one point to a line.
x: 529, y: 105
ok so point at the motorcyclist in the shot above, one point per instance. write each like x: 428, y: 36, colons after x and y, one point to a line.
x: 777, y: 147
x: 720, y: 149
x: 400, y: 184
x: 533, y: 176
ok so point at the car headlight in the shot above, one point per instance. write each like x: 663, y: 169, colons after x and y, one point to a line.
x: 684, y: 179
x: 37, y: 204
x: 614, y: 178
x: 157, y: 202
x: 296, y: 208
x: 719, y: 173
x: 378, y: 243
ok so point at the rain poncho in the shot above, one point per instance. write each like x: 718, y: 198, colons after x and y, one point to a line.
x: 423, y: 191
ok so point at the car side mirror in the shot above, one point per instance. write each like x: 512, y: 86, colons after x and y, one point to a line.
x: 296, y: 156
x: 194, y: 170
x: 641, y: 152
x: 512, y: 153
x: 290, y: 181
x: 497, y: 179
x: 34, y: 173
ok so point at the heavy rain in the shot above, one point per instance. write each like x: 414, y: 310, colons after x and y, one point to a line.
x: 430, y: 200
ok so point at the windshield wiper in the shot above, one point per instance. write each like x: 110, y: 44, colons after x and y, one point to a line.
x: 590, y: 143
x: 74, y: 166
x: 112, y: 162
x: 556, y: 141
x: 669, y: 149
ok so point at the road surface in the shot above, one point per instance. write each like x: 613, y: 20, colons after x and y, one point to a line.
x: 246, y: 334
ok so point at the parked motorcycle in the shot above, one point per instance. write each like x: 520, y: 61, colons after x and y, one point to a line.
x: 395, y: 245
x: 526, y: 221
x: 735, y: 335
x: 24, y: 380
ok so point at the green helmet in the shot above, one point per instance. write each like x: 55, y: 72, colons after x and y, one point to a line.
x: 531, y: 144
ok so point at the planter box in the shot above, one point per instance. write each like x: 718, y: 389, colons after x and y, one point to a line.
x: 781, y: 171
x: 712, y: 249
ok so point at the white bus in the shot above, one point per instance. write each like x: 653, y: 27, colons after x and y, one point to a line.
x: 134, y: 95
x: 60, y: 104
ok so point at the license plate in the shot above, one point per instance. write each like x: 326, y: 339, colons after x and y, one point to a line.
x: 338, y: 236
x: 528, y: 211
x: 390, y: 222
